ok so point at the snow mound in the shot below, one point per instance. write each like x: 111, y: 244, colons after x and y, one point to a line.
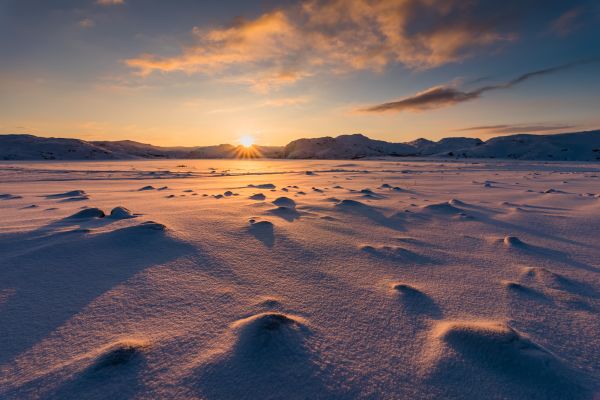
x: 76, y: 198
x: 269, y: 331
x: 544, y: 275
x: 263, y: 186
x: 370, y: 212
x: 552, y: 190
x: 505, y: 362
x: 405, y: 289
x: 495, y: 342
x: 88, y: 213
x: 448, y: 208
x: 550, y: 279
x: 257, y: 196
x: 285, y: 202
x: 149, y: 187
x: 72, y: 193
x: 121, y: 213
x: 263, y: 231
x: 267, y: 357
x: 352, y: 204
x: 415, y: 301
x: 395, y: 253
x: 8, y: 196
x: 521, y: 289
x: 515, y: 286
x: 457, y: 203
x: 149, y: 225
x: 513, y: 241
x: 119, y: 354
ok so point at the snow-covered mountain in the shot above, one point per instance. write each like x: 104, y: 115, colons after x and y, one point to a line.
x: 446, y: 145
x: 344, y: 147
x: 29, y: 147
x: 360, y: 146
x: 578, y: 146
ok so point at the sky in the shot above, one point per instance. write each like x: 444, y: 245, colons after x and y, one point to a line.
x: 190, y: 72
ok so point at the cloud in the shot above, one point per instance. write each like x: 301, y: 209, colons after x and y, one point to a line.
x: 110, y: 2
x: 86, y: 23
x: 275, y: 102
x: 269, y: 37
x: 286, y: 101
x: 283, y: 46
x: 435, y: 97
x: 567, y: 22
x: 518, y: 128
x: 445, y: 96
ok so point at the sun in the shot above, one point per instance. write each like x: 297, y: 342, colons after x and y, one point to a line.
x: 247, y: 141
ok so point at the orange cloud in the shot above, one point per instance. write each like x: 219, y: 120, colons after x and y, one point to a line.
x: 269, y: 37
x: 337, y: 36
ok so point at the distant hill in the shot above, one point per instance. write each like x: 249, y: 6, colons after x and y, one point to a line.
x: 344, y: 147
x: 29, y: 147
x: 360, y: 146
x: 577, y: 146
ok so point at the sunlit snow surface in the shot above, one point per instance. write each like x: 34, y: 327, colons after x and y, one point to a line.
x: 220, y: 279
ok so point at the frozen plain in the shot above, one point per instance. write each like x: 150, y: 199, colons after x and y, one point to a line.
x: 258, y: 279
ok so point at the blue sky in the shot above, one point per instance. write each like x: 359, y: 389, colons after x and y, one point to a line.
x: 195, y: 72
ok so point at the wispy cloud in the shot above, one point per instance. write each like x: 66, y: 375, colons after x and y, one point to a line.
x: 435, y: 97
x: 444, y: 96
x: 285, y: 45
x: 568, y: 21
x: 86, y: 23
x: 110, y: 2
x: 286, y: 101
x: 518, y: 128
x: 274, y: 102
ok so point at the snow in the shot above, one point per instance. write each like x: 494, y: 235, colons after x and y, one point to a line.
x: 582, y: 146
x: 444, y: 289
x: 578, y: 146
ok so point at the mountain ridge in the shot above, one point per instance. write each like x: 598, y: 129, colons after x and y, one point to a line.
x: 573, y: 146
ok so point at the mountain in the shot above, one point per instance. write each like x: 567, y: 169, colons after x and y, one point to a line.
x: 344, y: 147
x: 141, y: 150
x: 360, y: 146
x: 446, y: 145
x: 29, y: 147
x: 577, y: 146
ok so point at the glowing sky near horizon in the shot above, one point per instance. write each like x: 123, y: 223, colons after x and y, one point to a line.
x: 187, y: 72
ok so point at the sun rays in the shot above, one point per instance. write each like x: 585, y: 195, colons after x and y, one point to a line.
x: 250, y: 151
